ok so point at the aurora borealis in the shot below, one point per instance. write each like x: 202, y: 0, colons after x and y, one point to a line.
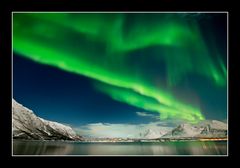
x: 140, y: 59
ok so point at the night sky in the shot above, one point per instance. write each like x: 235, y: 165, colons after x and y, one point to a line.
x: 121, y: 68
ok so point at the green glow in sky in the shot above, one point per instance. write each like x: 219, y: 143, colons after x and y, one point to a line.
x: 99, y: 46
x: 173, y: 110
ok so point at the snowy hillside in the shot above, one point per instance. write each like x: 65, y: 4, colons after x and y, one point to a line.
x: 26, y: 125
x: 208, y: 128
x: 152, y: 133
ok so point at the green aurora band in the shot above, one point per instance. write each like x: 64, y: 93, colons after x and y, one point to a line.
x: 99, y: 46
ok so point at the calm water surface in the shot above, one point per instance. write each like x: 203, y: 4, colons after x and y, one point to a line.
x: 120, y: 148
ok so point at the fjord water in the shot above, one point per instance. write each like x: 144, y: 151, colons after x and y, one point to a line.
x: 21, y: 147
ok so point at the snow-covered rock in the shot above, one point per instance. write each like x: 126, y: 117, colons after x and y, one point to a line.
x: 213, y: 128
x: 208, y: 128
x: 26, y: 125
x: 152, y: 133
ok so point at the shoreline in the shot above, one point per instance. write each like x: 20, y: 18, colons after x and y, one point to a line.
x: 132, y: 141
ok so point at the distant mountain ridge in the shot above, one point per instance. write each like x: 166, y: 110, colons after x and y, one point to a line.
x: 204, y: 129
x: 26, y: 125
x: 152, y: 133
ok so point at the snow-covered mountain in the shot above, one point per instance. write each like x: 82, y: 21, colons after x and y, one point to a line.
x: 152, y: 133
x: 213, y: 128
x: 208, y: 128
x: 26, y: 125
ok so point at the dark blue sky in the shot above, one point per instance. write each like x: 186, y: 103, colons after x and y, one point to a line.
x: 57, y: 95
x: 65, y: 97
